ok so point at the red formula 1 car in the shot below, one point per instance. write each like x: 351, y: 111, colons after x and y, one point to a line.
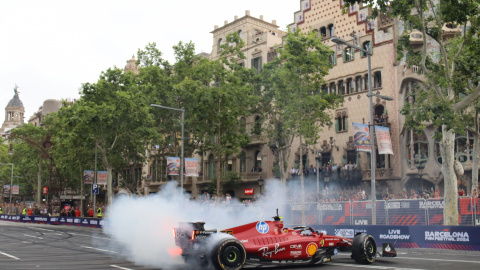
x: 266, y: 242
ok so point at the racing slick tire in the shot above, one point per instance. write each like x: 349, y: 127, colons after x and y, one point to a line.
x: 229, y: 254
x: 364, y: 249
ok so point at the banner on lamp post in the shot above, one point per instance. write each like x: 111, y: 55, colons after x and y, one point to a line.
x: 191, y: 167
x: 45, y: 190
x: 361, y: 137
x: 6, y: 189
x: 173, y: 165
x: 88, y: 177
x: 102, y: 177
x: 384, y: 141
x: 15, y: 189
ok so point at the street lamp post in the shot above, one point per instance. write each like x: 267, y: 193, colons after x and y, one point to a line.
x: 371, y: 124
x: 318, y: 158
x: 183, y: 121
x: 11, y: 180
x: 260, y: 183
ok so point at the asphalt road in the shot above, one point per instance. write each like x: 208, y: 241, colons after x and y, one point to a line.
x: 36, y: 246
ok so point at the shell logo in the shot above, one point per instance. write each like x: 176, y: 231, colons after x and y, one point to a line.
x: 311, y: 249
x: 322, y: 243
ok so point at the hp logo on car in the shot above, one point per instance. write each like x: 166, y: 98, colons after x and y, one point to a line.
x: 262, y: 227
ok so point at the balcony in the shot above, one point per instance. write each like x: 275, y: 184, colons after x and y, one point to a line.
x: 380, y: 174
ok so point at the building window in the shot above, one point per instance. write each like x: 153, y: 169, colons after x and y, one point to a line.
x: 411, y: 90
x: 243, y: 125
x: 257, y: 64
x: 257, y: 128
x: 330, y: 31
x: 359, y: 83
x: 341, y: 123
x: 211, y: 167
x: 333, y: 59
x: 325, y: 89
x: 243, y: 161
x: 341, y: 88
x: 417, y: 148
x: 348, y: 54
x: 229, y: 163
x: 258, y: 162
x: 367, y: 45
x: 377, y: 79
x: 350, y: 86
x: 333, y: 88
x: 323, y: 32
x: 240, y: 34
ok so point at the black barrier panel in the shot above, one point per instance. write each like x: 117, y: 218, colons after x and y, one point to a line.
x: 90, y: 222
x: 438, y: 237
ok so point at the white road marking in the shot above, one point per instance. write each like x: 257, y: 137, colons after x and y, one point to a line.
x: 119, y: 267
x: 90, y: 236
x: 32, y: 236
x: 443, y: 260
x: 371, y: 266
x: 104, y: 250
x: 8, y: 255
x: 35, y: 228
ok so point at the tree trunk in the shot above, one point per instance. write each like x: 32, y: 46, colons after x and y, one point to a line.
x: 39, y: 182
x: 450, y: 212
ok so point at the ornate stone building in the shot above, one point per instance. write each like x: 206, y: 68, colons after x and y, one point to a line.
x: 14, y: 114
x: 348, y: 77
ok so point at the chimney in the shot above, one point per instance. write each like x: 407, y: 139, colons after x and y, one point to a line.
x: 261, y: 17
x: 226, y: 22
x: 274, y: 22
x: 236, y: 17
x: 216, y: 27
x: 247, y: 12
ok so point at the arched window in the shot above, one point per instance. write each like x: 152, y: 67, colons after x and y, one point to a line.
x: 411, y: 90
x: 377, y: 79
x: 243, y: 161
x: 380, y: 115
x: 258, y: 162
x: 240, y: 34
x: 348, y: 54
x: 330, y: 31
x: 367, y: 45
x: 323, y: 31
x: 341, y: 122
x: 325, y: 89
x: 229, y: 163
x: 211, y: 167
x: 257, y: 128
x: 243, y: 125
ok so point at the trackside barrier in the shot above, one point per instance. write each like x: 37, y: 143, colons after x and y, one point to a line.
x: 418, y: 236
x: 75, y: 221
x: 393, y: 212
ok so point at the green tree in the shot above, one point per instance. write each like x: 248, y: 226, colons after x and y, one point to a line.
x: 115, y: 114
x: 448, y: 91
x: 293, y: 82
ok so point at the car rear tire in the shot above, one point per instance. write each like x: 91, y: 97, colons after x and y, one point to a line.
x: 364, y: 249
x: 229, y: 254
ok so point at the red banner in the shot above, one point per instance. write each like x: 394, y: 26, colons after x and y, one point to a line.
x: 249, y: 191
x: 45, y: 190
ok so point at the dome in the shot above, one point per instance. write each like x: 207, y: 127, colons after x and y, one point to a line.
x: 15, y: 101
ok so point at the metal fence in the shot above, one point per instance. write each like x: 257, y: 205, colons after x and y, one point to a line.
x: 391, y: 212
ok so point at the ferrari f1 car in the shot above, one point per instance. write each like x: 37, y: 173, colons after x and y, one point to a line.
x: 268, y: 242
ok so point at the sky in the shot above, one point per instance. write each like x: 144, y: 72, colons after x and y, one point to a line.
x: 51, y: 47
